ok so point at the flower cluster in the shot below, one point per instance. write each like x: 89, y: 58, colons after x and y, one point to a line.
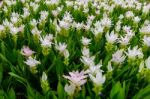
x: 108, y: 41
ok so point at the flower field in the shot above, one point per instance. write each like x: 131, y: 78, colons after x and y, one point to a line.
x: 75, y: 49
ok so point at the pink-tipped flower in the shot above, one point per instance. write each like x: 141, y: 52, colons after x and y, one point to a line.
x: 77, y: 78
x: 26, y: 51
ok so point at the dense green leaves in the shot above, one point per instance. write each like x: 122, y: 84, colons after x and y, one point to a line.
x: 117, y: 91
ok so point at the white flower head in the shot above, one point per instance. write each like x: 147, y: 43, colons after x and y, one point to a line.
x: 112, y: 37
x: 146, y: 40
x: 109, y: 67
x: 88, y: 61
x: 14, y: 30
x: 147, y: 62
x: 32, y: 62
x: 129, y: 14
x: 76, y: 78
x: 94, y: 69
x: 118, y: 56
x: 26, y: 51
x: 35, y: 31
x: 44, y: 77
x: 85, y: 52
x: 61, y: 47
x: 141, y: 66
x: 85, y: 41
x: 43, y: 15
x: 70, y: 89
x: 99, y: 79
x: 47, y: 40
x: 134, y: 52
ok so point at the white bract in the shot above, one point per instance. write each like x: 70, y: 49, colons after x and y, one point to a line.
x: 32, y: 62
x: 99, y: 79
x: 118, y: 56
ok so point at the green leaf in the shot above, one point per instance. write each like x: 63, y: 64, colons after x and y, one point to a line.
x: 1, y: 73
x: 30, y: 92
x: 117, y: 92
x: 11, y: 94
x: 2, y: 94
x: 60, y: 91
x: 143, y: 93
x: 19, y: 78
x: 54, y: 96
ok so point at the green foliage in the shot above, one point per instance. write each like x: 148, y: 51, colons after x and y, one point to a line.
x: 117, y: 91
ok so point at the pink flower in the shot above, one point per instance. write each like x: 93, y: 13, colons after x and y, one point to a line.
x: 26, y: 51
x: 77, y: 78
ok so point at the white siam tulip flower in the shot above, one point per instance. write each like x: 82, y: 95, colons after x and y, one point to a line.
x: 88, y: 61
x: 2, y: 28
x: 76, y: 78
x: 44, y: 77
x: 99, y: 79
x: 64, y: 24
x: 14, y: 30
x: 85, y: 52
x: 54, y: 2
x: 146, y: 8
x: 34, y: 6
x: 97, y: 31
x: 124, y: 40
x: 145, y: 29
x: 70, y: 89
x: 68, y: 17
x: 14, y: 20
x: 7, y: 24
x: 91, y: 17
x: 55, y: 13
x: 47, y: 40
x: 147, y: 62
x: 33, y: 22
x: 94, y: 69
x: 112, y: 37
x: 129, y: 14
x: 43, y: 15
x: 26, y: 12
x: 69, y: 3
x: 8, y: 2
x: 23, y: 1
x: 130, y: 33
x: 32, y: 62
x: 118, y: 26
x: 106, y: 22
x: 137, y: 19
x: 78, y: 26
x: 98, y: 28
x: 141, y: 66
x: 21, y: 28
x: 26, y: 51
x: 61, y: 47
x: 35, y: 31
x: 134, y: 52
x: 87, y: 27
x: 126, y: 28
x: 121, y: 16
x: 146, y: 41
x: 118, y: 57
x: 109, y: 67
x: 85, y: 41
x: 66, y: 54
x: 44, y: 82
